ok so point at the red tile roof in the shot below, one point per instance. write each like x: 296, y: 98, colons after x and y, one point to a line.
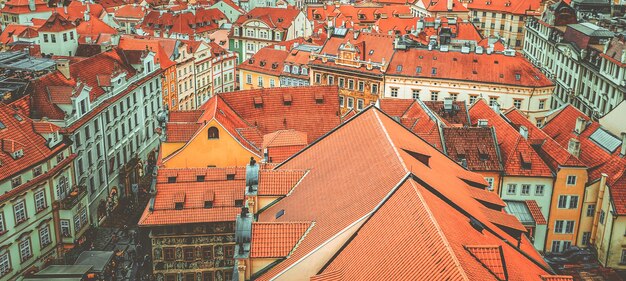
x: 267, y: 60
x: 193, y: 195
x: 370, y: 47
x: 181, y: 132
x: 513, y: 147
x: 556, y: 278
x: 599, y: 160
x: 458, y: 115
x: 187, y: 175
x: 6, y: 36
x: 21, y: 135
x: 189, y: 23
x: 442, y: 6
x: 478, y: 146
x: 17, y: 7
x: 75, y: 10
x: 153, y: 44
x: 535, y: 212
x: 94, y: 28
x: 305, y: 114
x: 491, y: 69
x: 278, y: 182
x: 284, y: 138
x: 505, y: 6
x: 276, y: 239
x: 133, y: 11
x: 551, y: 152
x: 350, y: 15
x: 415, y: 116
x: 185, y: 115
x: 490, y: 257
x: 373, y: 184
x: 56, y: 23
x: 275, y: 18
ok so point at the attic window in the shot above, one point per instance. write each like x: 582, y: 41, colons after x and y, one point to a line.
x: 209, y: 197
x: 200, y: 178
x: 482, y: 153
x: 518, y: 76
x: 287, y: 100
x: 213, y: 133
x: 179, y: 200
x: 371, y: 52
x: 399, y: 68
x: 525, y: 158
x: 496, y: 62
x: 2, y: 126
x: 418, y: 69
x: 475, y: 60
x: 274, y: 65
x: 419, y: 156
x: 258, y: 102
x: 171, y: 179
x: 251, y: 61
x: 18, y: 117
x: 239, y: 203
x: 262, y: 63
x: 178, y: 205
x: 501, y: 75
x: 454, y: 59
x: 280, y: 214
x: 474, y: 72
x: 319, y: 98
x: 460, y: 152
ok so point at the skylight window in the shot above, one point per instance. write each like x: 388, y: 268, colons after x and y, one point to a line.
x: 2, y: 126
x: 399, y: 68
x: 18, y: 117
x: 605, y: 140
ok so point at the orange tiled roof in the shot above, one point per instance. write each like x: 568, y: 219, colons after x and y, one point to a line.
x: 186, y: 175
x: 275, y: 18
x: 16, y: 135
x: 284, y: 138
x: 193, y: 195
x: 267, y: 60
x: 415, y: 116
x: 491, y: 69
x: 442, y: 6
x: 278, y: 182
x: 556, y: 278
x: 56, y: 23
x: 393, y: 184
x: 181, y: 132
x: 276, y: 239
x: 515, y: 150
x: 491, y: 258
x: 505, y: 6
x: 554, y: 155
x: 535, y: 212
x: 478, y: 146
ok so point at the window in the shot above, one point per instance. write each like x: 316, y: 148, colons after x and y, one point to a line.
x: 260, y: 82
x: 45, y: 38
x: 350, y: 103
x: 208, y: 276
x: 5, y: 263
x: 188, y: 253
x: 472, y: 98
x: 62, y: 186
x: 542, y: 104
x: 591, y: 210
x: 571, y: 180
x: 602, y: 215
x: 25, y: 249
x: 558, y: 226
x: 416, y: 94
x: 573, y: 202
x: 586, y: 238
x: 434, y: 95
x: 207, y: 253
x: 526, y: 189
x: 229, y: 251
x: 341, y: 101
x: 272, y: 83
x: 569, y: 227
x: 44, y: 236
x: 511, y: 188
x: 350, y: 84
x: 562, y: 202
x: 171, y: 277
x: 622, y: 259
x: 361, y: 86
x: 37, y: 171
x: 374, y: 88
x: 16, y: 181
x: 359, y: 104
x: 169, y: 254
x: 342, y: 82
x: 65, y: 228
x: 331, y: 80
x: 454, y: 96
x: 248, y: 79
x: 394, y: 92
x: 318, y: 78
x: 556, y: 246
x: 20, y: 212
x: 490, y: 182
x: 3, y: 228
x: 493, y: 101
x: 517, y: 103
x: 539, y: 189
x: 40, y: 200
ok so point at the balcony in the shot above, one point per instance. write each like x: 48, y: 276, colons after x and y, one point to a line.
x: 72, y: 200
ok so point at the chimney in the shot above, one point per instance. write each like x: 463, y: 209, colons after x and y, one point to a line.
x: 31, y: 5
x: 65, y: 10
x: 63, y: 66
x: 523, y: 131
x: 573, y: 147
x: 623, y: 150
x: 580, y: 125
x: 86, y: 15
x: 450, y: 4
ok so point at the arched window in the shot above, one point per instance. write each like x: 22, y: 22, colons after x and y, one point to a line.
x: 214, y: 133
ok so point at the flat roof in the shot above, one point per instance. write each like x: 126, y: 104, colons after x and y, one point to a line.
x: 63, y: 270
x: 98, y: 259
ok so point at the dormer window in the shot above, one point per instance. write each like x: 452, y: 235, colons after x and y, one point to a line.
x: 295, y: 69
x: 258, y: 102
x: 200, y: 178
x: 239, y: 203
x: 305, y: 71
x: 286, y: 68
x: 482, y: 153
x: 230, y: 177
x: 171, y: 179
x: 526, y: 163
x: 179, y: 200
x: 16, y: 181
x: 209, y: 197
x: 178, y: 205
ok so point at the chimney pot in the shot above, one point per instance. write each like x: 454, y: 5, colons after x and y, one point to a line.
x: 63, y: 66
x: 573, y: 147
x: 580, y: 125
x: 523, y: 131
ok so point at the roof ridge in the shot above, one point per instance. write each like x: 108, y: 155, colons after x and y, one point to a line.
x: 393, y: 145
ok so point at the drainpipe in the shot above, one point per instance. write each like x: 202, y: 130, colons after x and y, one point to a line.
x: 596, y: 217
x: 608, y: 249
